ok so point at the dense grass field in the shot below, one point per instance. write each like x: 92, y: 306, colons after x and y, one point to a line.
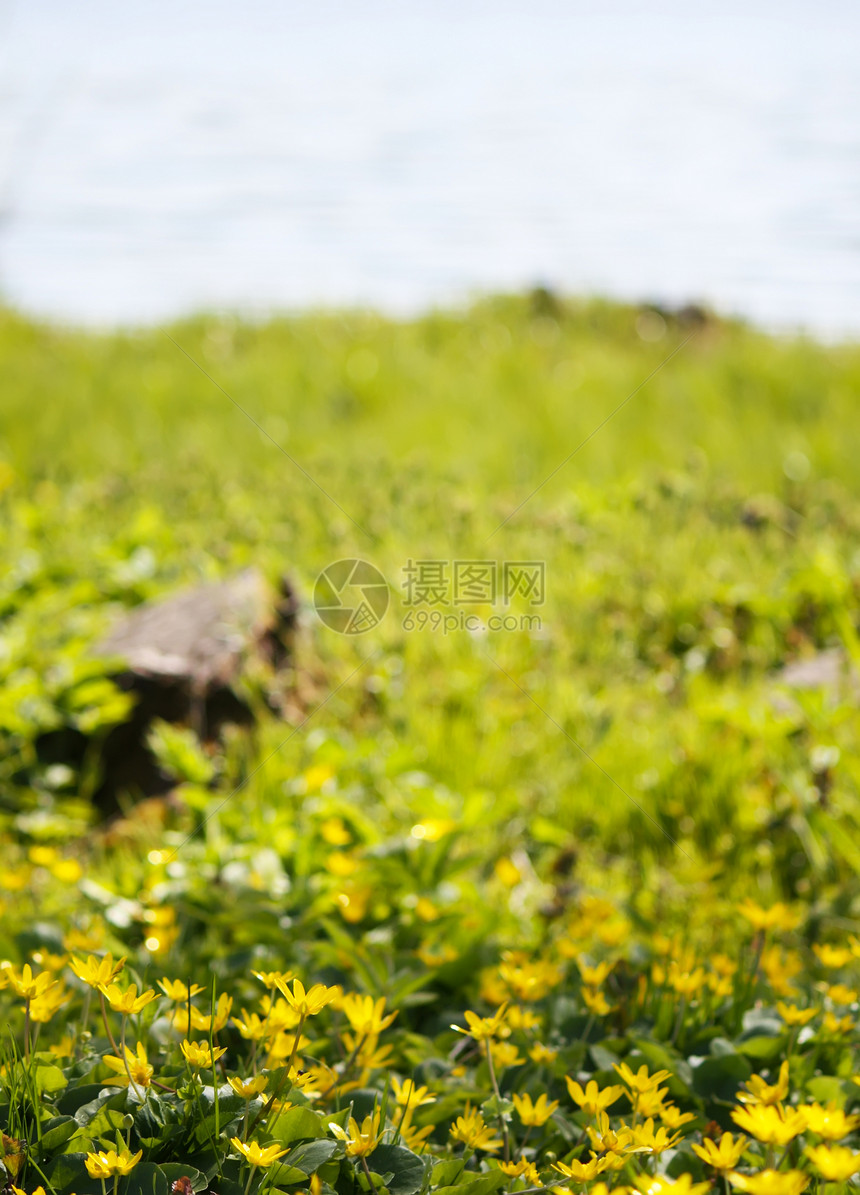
x: 611, y: 816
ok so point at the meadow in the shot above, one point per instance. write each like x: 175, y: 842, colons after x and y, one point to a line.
x: 610, y: 840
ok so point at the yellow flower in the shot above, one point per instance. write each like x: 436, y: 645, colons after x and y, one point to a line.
x: 198, y: 1054
x: 481, y: 1028
x: 27, y: 985
x: 307, y: 1003
x: 641, y: 1080
x: 522, y: 1169
x: 778, y: 916
x: 256, y: 1154
x: 830, y: 1122
x: 529, y: 979
x: 594, y: 977
x: 683, y: 1185
x: 175, y: 989
x: 759, y: 1092
x: 359, y: 1141
x: 649, y: 1103
x: 724, y: 1156
x: 840, y: 994
x: 248, y: 1088
x: 96, y: 971
x: 105, y: 1164
x: 537, y: 1113
x: 655, y: 1141
x: 522, y: 1018
x: 507, y: 871
x: 504, y: 1054
x: 127, y: 1001
x: 251, y: 1026
x: 335, y: 832
x: 407, y: 1095
x: 365, y: 1014
x: 685, y: 983
x: 767, y: 1124
x: 770, y: 1182
x: 606, y: 1140
x: 596, y: 1002
x: 792, y: 1015
x: 673, y: 1117
x: 836, y: 1026
x: 474, y: 1133
x: 591, y: 1099
x: 271, y: 979
x: 837, y: 1163
x: 43, y: 1007
x: 582, y: 1172
x: 136, y: 1065
x: 542, y: 1055
x: 833, y: 956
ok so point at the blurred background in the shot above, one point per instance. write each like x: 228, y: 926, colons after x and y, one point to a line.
x: 158, y: 159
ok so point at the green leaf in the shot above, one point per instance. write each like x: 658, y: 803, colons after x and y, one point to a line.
x: 57, y: 1132
x: 146, y: 1179
x: 296, y: 1124
x: 483, y: 1185
x: 50, y: 1078
x: 719, y: 1078
x: 313, y: 1154
x: 406, y: 1167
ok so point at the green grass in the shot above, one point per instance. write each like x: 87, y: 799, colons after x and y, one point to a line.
x: 684, y: 566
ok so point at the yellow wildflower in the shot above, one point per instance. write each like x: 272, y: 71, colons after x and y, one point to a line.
x: 591, y: 1099
x: 654, y: 1141
x: 407, y: 1095
x: 505, y: 1055
x: 770, y: 1182
x: 105, y: 1164
x: 724, y: 1156
x: 792, y: 1015
x: 760, y: 1092
x: 537, y: 1113
x: 833, y: 957
x: 640, y: 1080
x: 482, y: 1028
x: 596, y: 1002
x: 359, y: 1141
x: 307, y: 1003
x: 768, y: 1124
x: 248, y: 1088
x: 582, y: 1172
x: 127, y: 1001
x: 365, y: 1014
x: 256, y: 1154
x: 175, y: 989
x: 840, y: 993
x: 662, y: 1185
x: 837, y: 1163
x: 198, y: 1054
x: 830, y: 1122
x: 27, y: 985
x: 522, y: 1169
x: 474, y: 1133
x: 95, y: 971
x: 542, y: 1055
x: 778, y: 916
x: 43, y: 1007
x: 136, y: 1065
x: 594, y: 977
x: 673, y: 1117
